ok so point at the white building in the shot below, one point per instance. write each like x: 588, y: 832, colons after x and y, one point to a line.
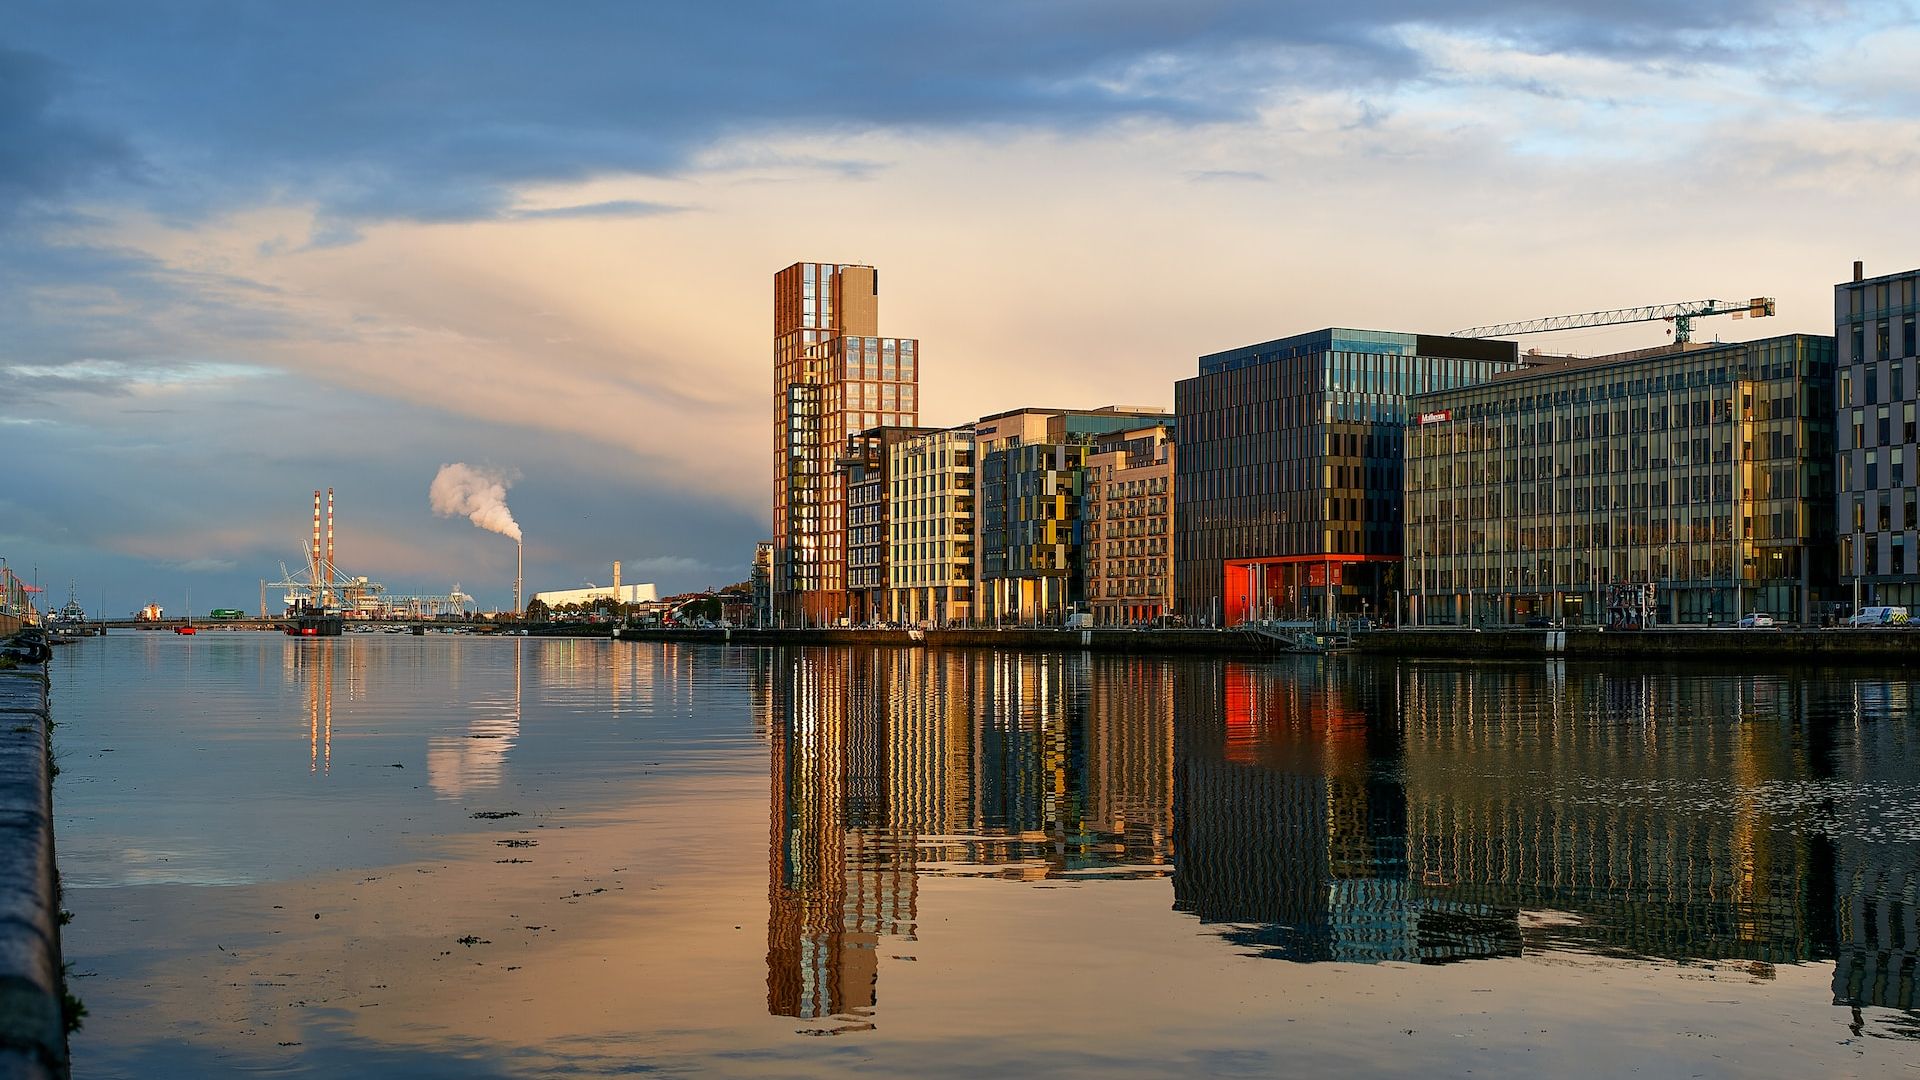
x: 629, y: 594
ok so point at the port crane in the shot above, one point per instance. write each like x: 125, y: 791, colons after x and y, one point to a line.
x: 1681, y: 315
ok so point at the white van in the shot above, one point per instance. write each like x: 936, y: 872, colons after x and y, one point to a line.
x: 1879, y: 616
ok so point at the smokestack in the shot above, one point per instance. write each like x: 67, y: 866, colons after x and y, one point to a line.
x: 329, y: 595
x: 519, y: 571
x: 616, y: 581
x: 313, y: 553
x: 1859, y: 270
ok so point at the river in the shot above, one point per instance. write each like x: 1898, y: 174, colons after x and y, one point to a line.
x: 469, y: 857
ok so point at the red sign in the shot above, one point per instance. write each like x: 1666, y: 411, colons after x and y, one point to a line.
x: 1440, y: 417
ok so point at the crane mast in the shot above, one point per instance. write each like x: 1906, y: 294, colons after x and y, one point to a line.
x: 1680, y: 314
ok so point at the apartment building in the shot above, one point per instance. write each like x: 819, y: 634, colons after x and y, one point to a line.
x: 1127, y: 512
x: 833, y: 376
x: 931, y: 527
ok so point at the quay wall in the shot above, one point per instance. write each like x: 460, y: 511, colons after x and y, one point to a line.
x: 33, y: 1042
x: 1825, y: 647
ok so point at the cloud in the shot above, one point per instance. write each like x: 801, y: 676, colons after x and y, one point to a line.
x: 44, y: 155
x: 1253, y: 176
x: 610, y: 208
x: 442, y: 120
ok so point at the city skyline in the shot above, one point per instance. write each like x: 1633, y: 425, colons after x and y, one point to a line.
x: 244, y: 256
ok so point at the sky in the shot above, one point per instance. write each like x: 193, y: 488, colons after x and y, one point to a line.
x: 249, y: 250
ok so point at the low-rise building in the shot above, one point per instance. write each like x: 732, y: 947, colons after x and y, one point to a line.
x: 1127, y: 500
x: 1627, y: 490
x: 625, y: 594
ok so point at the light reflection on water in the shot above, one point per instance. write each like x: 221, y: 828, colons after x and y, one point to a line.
x: 1370, y: 821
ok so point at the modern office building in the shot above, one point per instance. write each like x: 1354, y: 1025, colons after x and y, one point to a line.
x: 833, y: 376
x: 1874, y: 332
x: 930, y: 527
x: 1028, y: 566
x: 1127, y: 512
x: 1287, y: 483
x: 1627, y: 489
x: 866, y: 469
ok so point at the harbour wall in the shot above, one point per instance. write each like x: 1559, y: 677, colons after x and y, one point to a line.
x: 33, y: 1041
x: 1824, y: 647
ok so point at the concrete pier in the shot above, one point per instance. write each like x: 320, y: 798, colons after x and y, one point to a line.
x: 33, y: 1041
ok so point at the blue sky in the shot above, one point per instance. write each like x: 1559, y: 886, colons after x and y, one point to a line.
x: 247, y: 250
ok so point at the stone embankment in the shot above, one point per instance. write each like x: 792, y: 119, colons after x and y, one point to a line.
x: 1771, y: 646
x: 33, y: 1041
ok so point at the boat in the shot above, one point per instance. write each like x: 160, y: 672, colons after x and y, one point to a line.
x: 187, y: 627
x: 305, y: 620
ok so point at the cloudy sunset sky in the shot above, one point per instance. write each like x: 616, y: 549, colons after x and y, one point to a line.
x: 250, y: 249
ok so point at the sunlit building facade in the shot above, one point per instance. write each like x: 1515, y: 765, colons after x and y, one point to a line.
x: 1604, y: 489
x: 1028, y: 564
x: 931, y: 527
x: 1128, y: 526
x: 867, y: 469
x: 1287, y: 485
x: 1878, y: 349
x: 833, y: 376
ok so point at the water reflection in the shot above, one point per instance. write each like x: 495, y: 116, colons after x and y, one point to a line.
x: 459, y: 765
x: 891, y: 764
x: 1357, y: 813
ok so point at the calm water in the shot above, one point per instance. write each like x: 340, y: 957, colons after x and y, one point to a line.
x: 448, y: 856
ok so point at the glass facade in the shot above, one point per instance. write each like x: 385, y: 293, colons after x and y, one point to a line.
x: 1287, y: 489
x: 1628, y: 490
x: 833, y: 376
x: 1877, y: 365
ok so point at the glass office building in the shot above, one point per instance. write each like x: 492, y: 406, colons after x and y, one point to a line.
x: 1629, y: 490
x: 1879, y: 353
x: 1287, y: 485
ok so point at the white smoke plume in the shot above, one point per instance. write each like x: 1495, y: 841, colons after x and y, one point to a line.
x: 478, y: 494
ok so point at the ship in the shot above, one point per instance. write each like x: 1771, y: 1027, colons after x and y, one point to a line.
x: 306, y: 620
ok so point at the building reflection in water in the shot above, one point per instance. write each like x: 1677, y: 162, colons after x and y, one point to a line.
x: 1354, y: 812
x: 889, y: 764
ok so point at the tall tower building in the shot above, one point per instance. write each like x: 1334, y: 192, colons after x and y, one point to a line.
x: 833, y: 376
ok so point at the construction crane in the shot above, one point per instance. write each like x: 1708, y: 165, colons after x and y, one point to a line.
x: 1681, y: 315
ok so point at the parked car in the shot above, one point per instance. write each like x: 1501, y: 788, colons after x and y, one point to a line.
x: 1879, y: 616
x: 1539, y: 622
x: 1759, y: 620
